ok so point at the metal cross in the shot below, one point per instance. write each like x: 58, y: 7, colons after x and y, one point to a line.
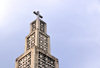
x: 38, y: 14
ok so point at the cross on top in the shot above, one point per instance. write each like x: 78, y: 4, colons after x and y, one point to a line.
x: 38, y: 14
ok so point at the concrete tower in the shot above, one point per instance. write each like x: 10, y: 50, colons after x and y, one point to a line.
x: 37, y: 48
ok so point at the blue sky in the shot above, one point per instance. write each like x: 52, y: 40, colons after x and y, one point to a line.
x: 73, y: 26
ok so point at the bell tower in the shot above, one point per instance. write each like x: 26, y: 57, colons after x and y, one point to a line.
x: 37, y: 47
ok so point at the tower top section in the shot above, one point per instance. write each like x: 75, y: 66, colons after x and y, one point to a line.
x: 38, y: 35
x: 38, y: 14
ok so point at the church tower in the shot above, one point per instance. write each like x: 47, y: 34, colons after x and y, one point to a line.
x: 37, y: 48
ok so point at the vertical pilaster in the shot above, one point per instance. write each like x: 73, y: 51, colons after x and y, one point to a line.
x: 33, y: 58
x: 25, y: 44
x: 30, y: 27
x: 37, y: 24
x: 57, y: 64
x: 45, y: 28
x: 49, y: 45
x: 16, y: 64
x: 36, y: 38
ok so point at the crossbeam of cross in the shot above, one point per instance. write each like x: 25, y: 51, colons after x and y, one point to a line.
x: 38, y: 14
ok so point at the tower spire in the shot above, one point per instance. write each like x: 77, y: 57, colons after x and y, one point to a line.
x: 38, y: 14
x: 37, y: 48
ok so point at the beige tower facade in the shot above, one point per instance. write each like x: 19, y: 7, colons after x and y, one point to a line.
x: 37, y: 48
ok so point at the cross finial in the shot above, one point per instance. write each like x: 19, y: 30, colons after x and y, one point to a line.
x: 38, y: 14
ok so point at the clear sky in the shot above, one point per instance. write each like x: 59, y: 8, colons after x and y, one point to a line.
x: 73, y: 26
